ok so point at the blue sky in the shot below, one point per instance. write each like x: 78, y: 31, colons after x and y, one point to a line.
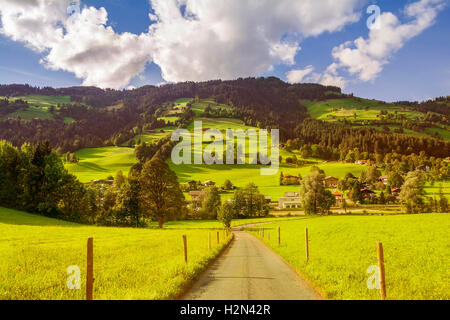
x: 419, y: 69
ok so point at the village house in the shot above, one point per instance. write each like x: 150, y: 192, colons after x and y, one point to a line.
x: 339, y: 198
x: 384, y: 179
x: 396, y: 192
x: 331, y: 182
x: 291, y: 200
x: 209, y: 183
x: 192, y: 185
x: 361, y: 162
x: 368, y: 194
x: 195, y: 195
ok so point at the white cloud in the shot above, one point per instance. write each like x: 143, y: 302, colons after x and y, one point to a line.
x: 236, y: 38
x: 366, y: 58
x: 83, y: 44
x: 191, y: 39
x: 297, y: 76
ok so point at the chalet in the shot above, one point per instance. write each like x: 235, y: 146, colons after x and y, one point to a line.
x: 209, y: 183
x: 339, y: 197
x: 103, y: 182
x: 192, y: 185
x: 396, y: 192
x: 384, y: 179
x: 368, y: 194
x: 291, y: 200
x: 423, y: 168
x: 195, y: 195
x: 331, y: 182
x: 361, y: 162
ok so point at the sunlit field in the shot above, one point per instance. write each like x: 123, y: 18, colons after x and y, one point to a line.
x: 416, y: 250
x: 128, y: 263
x: 99, y: 163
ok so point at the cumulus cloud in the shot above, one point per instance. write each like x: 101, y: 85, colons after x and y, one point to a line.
x: 202, y: 40
x: 189, y: 39
x: 365, y: 58
x: 297, y: 76
x: 81, y: 44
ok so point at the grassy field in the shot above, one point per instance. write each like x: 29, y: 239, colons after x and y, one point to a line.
x: 39, y: 106
x: 416, y: 250
x: 128, y: 263
x: 99, y: 163
x: 335, y: 109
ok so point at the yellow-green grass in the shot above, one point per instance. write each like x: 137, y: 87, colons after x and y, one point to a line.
x: 128, y: 263
x: 429, y: 132
x: 150, y: 137
x: 99, y: 163
x: 200, y: 106
x: 416, y: 250
x: 324, y: 109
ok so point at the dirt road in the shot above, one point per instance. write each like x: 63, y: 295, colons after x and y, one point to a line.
x: 249, y: 270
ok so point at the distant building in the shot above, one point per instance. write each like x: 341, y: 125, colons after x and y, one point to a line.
x: 210, y: 183
x: 368, y: 194
x: 268, y: 199
x: 103, y: 182
x: 331, y: 182
x: 384, y: 179
x: 361, y: 162
x: 396, y: 192
x: 339, y: 197
x: 291, y: 200
x: 195, y: 195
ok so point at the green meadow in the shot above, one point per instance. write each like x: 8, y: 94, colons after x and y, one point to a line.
x: 335, y: 109
x: 35, y: 253
x: 39, y: 106
x: 99, y: 163
x: 342, y: 248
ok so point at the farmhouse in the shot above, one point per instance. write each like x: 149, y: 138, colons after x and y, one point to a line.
x: 331, y: 182
x: 195, y: 195
x: 368, y: 194
x: 291, y: 200
x: 396, y: 192
x: 210, y: 183
x: 339, y: 197
x: 384, y: 179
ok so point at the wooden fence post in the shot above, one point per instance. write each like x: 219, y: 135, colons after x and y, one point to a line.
x: 268, y: 235
x: 380, y: 255
x: 223, y: 234
x: 90, y: 269
x: 306, y: 244
x: 209, y: 241
x: 263, y: 233
x: 185, y: 248
x: 279, y: 236
x: 218, y: 238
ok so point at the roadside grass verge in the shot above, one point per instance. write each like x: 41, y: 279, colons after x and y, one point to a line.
x: 128, y: 263
x: 416, y: 250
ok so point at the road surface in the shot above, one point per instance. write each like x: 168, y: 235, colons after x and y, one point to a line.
x: 248, y: 270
